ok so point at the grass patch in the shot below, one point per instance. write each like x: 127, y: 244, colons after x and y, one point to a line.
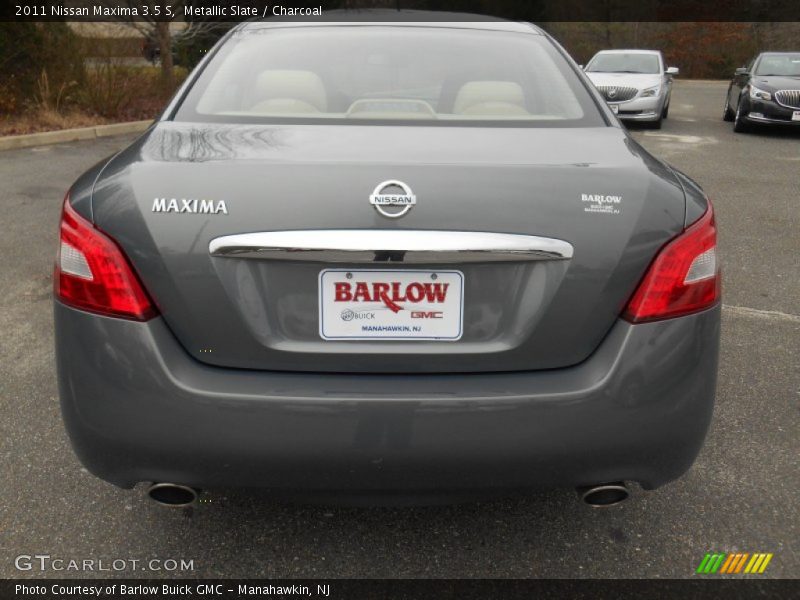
x: 43, y: 119
x: 110, y: 93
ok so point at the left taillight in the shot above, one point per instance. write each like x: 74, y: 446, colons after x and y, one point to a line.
x: 93, y: 274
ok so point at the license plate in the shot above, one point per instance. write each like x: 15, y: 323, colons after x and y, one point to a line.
x: 614, y: 108
x: 391, y: 305
x: 796, y: 115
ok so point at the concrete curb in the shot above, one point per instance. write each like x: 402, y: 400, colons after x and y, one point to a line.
x: 12, y: 142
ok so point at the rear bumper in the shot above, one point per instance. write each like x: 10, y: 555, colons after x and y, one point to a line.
x: 138, y: 408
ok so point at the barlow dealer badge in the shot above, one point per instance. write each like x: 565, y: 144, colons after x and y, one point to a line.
x: 389, y: 202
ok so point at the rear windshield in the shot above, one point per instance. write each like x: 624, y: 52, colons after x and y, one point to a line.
x: 624, y: 62
x: 782, y: 65
x: 422, y: 75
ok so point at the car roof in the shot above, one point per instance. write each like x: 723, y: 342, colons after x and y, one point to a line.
x: 397, y: 18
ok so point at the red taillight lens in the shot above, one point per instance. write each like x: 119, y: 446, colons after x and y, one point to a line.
x: 684, y: 278
x: 93, y: 274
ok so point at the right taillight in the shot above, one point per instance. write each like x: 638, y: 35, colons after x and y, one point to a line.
x: 93, y: 274
x: 684, y: 277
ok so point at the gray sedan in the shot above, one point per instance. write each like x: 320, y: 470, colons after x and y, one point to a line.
x: 426, y: 267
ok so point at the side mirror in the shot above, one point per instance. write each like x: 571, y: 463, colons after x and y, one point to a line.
x: 741, y: 71
x: 673, y: 71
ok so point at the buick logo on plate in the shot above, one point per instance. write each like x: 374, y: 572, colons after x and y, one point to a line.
x: 392, y: 198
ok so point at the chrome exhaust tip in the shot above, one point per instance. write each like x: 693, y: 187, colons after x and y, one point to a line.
x: 606, y: 494
x: 172, y: 495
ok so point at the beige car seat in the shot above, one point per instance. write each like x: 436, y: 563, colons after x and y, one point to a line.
x: 496, y: 98
x: 289, y: 92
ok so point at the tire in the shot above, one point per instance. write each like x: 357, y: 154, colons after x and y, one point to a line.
x: 727, y: 112
x: 739, y: 124
x: 665, y: 112
x: 656, y: 124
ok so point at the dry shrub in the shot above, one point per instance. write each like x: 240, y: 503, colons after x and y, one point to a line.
x: 116, y: 90
x: 111, y: 87
x: 8, y: 99
x: 53, y: 97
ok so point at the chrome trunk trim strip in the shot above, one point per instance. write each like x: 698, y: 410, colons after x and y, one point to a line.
x: 377, y: 245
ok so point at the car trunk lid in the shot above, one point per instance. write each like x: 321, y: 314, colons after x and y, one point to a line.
x: 593, y: 190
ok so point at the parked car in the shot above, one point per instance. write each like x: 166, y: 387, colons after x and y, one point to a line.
x: 381, y: 259
x: 635, y: 83
x: 765, y: 92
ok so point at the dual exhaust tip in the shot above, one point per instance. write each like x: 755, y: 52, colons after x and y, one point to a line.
x: 182, y: 496
x: 604, y: 495
x: 172, y: 495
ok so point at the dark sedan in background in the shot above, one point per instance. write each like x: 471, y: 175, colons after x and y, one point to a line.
x: 387, y: 258
x: 765, y: 92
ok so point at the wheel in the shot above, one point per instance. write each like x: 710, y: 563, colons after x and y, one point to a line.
x: 655, y: 124
x: 665, y: 112
x: 739, y: 124
x: 727, y: 112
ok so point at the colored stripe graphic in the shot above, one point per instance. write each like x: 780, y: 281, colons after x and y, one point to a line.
x: 711, y: 563
x: 741, y: 562
x: 718, y: 564
x: 730, y: 564
x: 733, y: 563
x: 765, y: 563
x: 726, y: 567
x: 703, y: 563
x: 753, y: 563
x: 758, y: 563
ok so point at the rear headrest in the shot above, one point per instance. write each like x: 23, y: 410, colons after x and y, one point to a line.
x: 289, y: 91
x: 490, y: 97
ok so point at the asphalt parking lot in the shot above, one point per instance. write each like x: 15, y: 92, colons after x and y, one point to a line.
x: 741, y: 495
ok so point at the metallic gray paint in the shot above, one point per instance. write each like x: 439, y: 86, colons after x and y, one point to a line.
x: 80, y: 194
x: 274, y: 178
x: 137, y: 408
x: 696, y: 200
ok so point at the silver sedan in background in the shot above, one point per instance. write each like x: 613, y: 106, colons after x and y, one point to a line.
x: 635, y: 83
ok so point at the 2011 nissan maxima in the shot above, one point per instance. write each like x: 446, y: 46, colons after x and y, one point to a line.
x: 387, y: 259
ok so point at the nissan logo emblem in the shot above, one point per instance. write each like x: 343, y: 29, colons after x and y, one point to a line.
x: 392, y: 198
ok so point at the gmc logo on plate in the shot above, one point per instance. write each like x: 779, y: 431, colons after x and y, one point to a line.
x: 426, y: 314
